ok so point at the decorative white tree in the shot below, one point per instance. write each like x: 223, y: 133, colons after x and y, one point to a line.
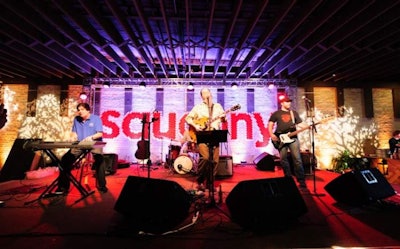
x: 345, y: 133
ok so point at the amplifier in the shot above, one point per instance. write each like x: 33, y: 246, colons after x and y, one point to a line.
x: 224, y: 167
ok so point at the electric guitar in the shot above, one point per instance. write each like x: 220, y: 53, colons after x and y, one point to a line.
x: 143, y: 145
x: 285, y: 138
x: 205, y: 123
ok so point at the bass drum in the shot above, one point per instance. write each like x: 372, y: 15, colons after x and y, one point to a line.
x: 183, y: 164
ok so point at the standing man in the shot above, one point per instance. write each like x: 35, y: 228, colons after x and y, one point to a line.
x: 199, y: 120
x: 285, y: 121
x: 394, y: 144
x: 86, y: 127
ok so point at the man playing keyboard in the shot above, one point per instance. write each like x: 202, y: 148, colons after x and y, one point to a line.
x: 86, y: 127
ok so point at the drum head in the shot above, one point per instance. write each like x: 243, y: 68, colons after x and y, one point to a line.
x: 183, y: 164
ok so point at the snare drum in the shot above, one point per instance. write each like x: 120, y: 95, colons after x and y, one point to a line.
x: 174, y: 151
x: 183, y: 164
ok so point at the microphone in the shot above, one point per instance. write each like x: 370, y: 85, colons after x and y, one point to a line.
x: 306, y: 99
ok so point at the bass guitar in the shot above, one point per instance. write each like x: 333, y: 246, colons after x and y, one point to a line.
x: 285, y: 138
x: 143, y: 151
x: 205, y: 123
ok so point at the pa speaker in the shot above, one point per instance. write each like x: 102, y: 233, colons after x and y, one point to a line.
x: 153, y: 205
x: 266, y: 203
x: 360, y: 187
x: 18, y: 161
x: 265, y: 162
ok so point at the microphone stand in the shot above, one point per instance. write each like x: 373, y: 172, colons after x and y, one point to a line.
x: 313, y: 163
x: 149, y: 163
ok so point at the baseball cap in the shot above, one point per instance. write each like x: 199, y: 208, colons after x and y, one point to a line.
x: 285, y: 99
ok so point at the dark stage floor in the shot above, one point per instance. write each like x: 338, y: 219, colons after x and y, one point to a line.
x: 159, y: 209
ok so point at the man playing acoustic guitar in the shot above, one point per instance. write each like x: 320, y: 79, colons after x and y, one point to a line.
x: 199, y: 120
x: 286, y: 121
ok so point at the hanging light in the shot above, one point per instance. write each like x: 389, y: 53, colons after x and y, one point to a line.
x: 83, y: 96
x: 190, y: 86
x: 142, y: 85
x: 271, y: 85
x: 234, y: 85
x: 106, y: 84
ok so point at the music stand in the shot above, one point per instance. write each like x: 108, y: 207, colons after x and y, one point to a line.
x: 211, y: 138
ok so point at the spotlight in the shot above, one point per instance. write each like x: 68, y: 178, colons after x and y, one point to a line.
x: 190, y: 86
x: 234, y: 85
x: 142, y: 84
x: 106, y: 84
x: 83, y: 96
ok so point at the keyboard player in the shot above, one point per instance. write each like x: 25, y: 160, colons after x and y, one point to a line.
x: 86, y: 127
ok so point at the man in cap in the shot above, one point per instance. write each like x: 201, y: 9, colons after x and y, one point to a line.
x: 285, y: 121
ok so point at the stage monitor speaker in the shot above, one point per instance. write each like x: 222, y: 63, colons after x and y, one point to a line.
x: 224, y: 167
x: 18, y: 162
x: 111, y: 161
x: 265, y: 162
x: 265, y: 203
x: 153, y: 205
x: 360, y: 187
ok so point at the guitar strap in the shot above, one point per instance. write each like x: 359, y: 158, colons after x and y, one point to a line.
x: 293, y: 119
x: 210, y: 113
x: 292, y: 115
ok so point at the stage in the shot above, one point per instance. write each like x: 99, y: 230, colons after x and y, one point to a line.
x: 59, y: 222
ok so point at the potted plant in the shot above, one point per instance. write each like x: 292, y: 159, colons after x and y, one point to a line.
x: 345, y: 162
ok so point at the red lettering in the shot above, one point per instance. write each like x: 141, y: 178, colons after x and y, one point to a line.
x: 236, y: 118
x: 126, y: 125
x: 171, y: 132
x: 105, y: 117
x: 263, y: 130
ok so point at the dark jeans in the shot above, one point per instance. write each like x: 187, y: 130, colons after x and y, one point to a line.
x: 69, y: 159
x: 297, y: 161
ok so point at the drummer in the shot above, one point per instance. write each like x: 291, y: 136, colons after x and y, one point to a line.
x: 187, y: 143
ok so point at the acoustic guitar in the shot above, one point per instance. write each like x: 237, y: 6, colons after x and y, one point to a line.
x: 143, y: 151
x: 205, y: 122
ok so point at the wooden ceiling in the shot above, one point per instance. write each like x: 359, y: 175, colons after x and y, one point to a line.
x: 310, y: 40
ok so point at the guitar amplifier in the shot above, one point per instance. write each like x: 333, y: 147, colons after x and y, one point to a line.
x: 224, y: 167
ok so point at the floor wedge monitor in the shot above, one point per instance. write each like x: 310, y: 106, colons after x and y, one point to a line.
x: 360, y: 187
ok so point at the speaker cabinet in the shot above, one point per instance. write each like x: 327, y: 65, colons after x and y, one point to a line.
x: 265, y: 203
x: 18, y: 161
x: 224, y: 167
x: 153, y: 205
x: 265, y: 162
x: 111, y: 161
x: 360, y: 187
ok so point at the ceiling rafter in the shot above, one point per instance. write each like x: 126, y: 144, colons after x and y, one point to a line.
x: 217, y: 39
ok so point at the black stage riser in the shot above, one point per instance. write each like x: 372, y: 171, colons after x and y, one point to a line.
x: 18, y: 162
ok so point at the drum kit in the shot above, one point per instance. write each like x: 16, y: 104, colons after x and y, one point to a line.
x: 182, y: 159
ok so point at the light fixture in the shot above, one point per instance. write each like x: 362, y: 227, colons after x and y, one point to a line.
x: 271, y: 85
x: 106, y: 84
x: 234, y: 85
x: 190, y: 86
x: 142, y: 84
x: 83, y: 96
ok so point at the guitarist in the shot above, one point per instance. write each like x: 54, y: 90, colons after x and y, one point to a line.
x: 285, y: 121
x: 206, y: 110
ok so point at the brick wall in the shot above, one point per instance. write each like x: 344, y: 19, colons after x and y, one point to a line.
x: 325, y: 102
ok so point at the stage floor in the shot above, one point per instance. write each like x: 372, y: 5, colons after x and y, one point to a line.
x: 59, y: 222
